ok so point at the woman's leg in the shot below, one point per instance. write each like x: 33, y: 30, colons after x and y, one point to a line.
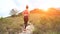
x: 25, y: 21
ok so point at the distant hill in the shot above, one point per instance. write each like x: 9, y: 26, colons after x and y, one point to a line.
x: 49, y: 11
x: 38, y: 11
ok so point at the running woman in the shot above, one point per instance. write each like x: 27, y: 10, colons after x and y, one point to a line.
x: 25, y: 15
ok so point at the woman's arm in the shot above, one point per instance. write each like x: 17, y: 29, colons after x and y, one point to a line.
x: 22, y: 12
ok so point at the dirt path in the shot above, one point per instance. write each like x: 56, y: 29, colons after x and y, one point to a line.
x: 29, y: 29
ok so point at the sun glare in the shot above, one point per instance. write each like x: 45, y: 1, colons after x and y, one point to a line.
x: 44, y: 9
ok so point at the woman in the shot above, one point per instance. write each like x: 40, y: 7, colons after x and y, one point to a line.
x: 25, y: 14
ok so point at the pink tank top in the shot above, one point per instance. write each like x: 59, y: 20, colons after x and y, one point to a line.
x: 25, y: 13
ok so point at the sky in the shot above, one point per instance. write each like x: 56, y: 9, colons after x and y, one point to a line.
x: 7, y: 5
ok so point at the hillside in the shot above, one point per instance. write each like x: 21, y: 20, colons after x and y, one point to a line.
x: 45, y: 22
